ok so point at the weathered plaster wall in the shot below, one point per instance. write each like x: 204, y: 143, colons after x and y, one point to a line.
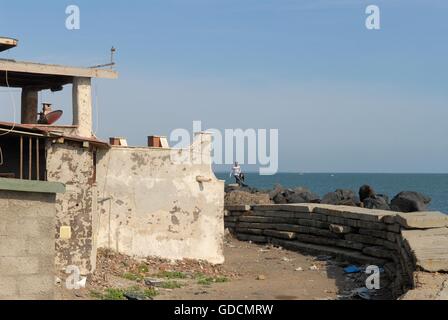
x: 151, y: 205
x: 74, y: 166
x: 27, y: 245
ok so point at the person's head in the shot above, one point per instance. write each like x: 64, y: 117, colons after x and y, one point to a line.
x: 236, y: 164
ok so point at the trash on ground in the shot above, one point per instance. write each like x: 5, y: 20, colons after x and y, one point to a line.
x: 352, y: 269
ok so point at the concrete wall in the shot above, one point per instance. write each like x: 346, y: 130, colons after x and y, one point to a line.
x: 151, y: 205
x: 411, y: 247
x: 74, y: 166
x: 27, y: 244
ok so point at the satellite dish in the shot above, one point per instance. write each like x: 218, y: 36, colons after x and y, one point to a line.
x: 51, y: 117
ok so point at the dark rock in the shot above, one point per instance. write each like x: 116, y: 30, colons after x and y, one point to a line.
x: 341, y: 197
x: 278, y: 189
x: 280, y: 199
x: 376, y: 202
x: 302, y: 195
x: 365, y: 192
x: 410, y: 201
x: 134, y: 296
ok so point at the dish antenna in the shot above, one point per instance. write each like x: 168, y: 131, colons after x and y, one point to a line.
x: 47, y: 116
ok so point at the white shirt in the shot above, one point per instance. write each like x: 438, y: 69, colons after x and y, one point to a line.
x: 236, y: 171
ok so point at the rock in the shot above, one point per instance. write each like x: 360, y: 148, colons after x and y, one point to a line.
x: 341, y: 197
x: 134, y: 296
x: 366, y: 192
x: 376, y: 202
x: 410, y: 201
x: 245, y: 198
x: 261, y: 277
x: 278, y: 189
x: 302, y: 195
x: 153, y: 282
x: 280, y: 199
x: 339, y: 229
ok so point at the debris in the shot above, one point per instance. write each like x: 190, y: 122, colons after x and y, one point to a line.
x: 153, y: 282
x: 57, y: 281
x: 323, y: 258
x: 299, y: 269
x: 314, y: 268
x: 352, y: 269
x: 261, y: 277
x: 134, y: 296
x: 286, y: 259
x: 362, y: 293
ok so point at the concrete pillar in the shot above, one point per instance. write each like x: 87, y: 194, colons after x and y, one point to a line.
x: 82, y: 106
x: 29, y: 106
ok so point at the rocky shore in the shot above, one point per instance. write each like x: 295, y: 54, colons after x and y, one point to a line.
x: 406, y: 201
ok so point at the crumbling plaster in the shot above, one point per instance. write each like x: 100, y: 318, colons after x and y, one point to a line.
x: 151, y: 205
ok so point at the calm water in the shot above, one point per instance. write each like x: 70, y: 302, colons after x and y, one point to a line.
x: 433, y: 185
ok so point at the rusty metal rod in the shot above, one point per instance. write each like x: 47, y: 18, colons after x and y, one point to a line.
x: 30, y: 163
x: 21, y: 157
x: 37, y: 160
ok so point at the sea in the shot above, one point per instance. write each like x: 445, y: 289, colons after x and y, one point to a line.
x: 433, y: 185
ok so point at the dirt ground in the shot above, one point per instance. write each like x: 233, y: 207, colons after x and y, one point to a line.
x: 251, y: 272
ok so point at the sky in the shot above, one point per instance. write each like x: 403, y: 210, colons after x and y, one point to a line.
x: 343, y: 98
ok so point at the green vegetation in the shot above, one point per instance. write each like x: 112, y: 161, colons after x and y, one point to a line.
x: 113, y: 294
x: 143, y: 268
x: 172, y: 275
x: 119, y: 294
x: 171, y: 285
x: 205, y: 280
x: 132, y: 276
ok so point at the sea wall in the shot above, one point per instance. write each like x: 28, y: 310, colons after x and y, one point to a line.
x: 161, y: 202
x: 411, y: 247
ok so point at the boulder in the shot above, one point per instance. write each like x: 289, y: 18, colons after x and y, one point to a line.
x: 341, y: 197
x: 365, y: 192
x: 379, y: 202
x: 410, y: 201
x: 301, y: 195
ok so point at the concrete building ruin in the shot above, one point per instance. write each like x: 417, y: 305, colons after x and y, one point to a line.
x: 135, y: 200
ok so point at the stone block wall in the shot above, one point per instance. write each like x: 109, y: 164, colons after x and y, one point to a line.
x: 27, y: 242
x: 410, y: 247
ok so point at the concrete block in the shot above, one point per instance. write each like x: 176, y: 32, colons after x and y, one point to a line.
x: 241, y: 208
x: 253, y: 238
x: 353, y: 212
x: 36, y: 285
x: 258, y: 232
x: 341, y: 253
x: 428, y: 248
x: 313, y: 223
x: 379, y: 252
x: 12, y: 247
x: 8, y: 287
x: 19, y: 265
x: 280, y: 234
x: 316, y: 231
x: 422, y: 220
x: 370, y: 240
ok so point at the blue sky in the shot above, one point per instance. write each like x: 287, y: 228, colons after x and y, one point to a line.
x: 345, y: 99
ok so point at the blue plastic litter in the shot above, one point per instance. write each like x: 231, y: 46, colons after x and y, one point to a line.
x: 352, y: 269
